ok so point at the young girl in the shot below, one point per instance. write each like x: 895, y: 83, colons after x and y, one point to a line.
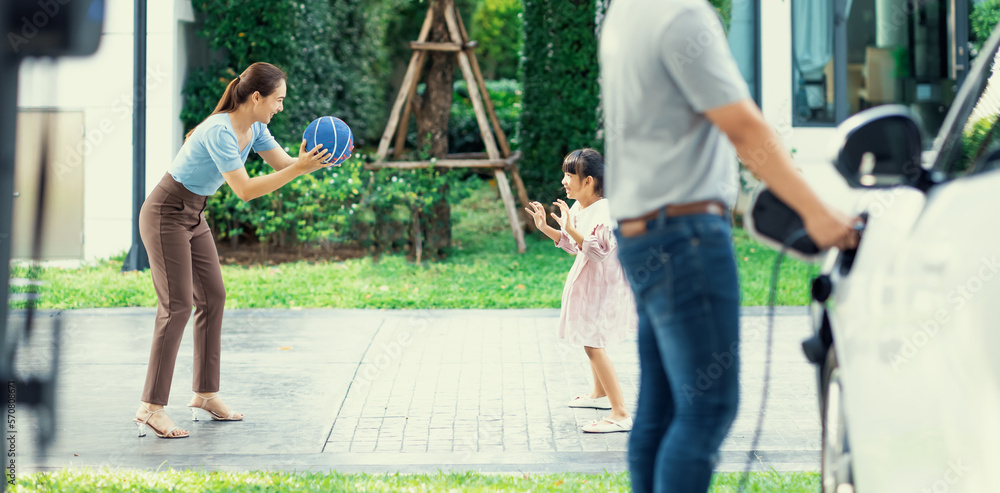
x: 597, y: 304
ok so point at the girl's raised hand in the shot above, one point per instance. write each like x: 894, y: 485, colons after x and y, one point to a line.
x: 563, y: 213
x: 537, y: 213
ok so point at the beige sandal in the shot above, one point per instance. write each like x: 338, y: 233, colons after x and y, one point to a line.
x: 142, y: 423
x: 215, y: 416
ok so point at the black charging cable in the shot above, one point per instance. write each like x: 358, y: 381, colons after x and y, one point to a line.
x: 772, y: 300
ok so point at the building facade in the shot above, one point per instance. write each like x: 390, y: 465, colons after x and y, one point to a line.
x: 87, y: 104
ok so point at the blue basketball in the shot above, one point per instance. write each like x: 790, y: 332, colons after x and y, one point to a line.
x: 335, y: 136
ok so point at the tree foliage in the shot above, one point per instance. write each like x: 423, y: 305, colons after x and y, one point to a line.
x: 496, y: 25
x: 331, y: 51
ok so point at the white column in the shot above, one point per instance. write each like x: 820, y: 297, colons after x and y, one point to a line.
x: 891, y: 23
x: 166, y: 62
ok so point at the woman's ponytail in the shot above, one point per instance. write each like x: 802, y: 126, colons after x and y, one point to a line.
x: 259, y: 77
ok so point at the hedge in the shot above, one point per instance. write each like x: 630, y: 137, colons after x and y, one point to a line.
x: 561, y: 92
x: 331, y: 50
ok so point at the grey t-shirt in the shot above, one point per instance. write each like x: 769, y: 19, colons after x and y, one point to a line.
x: 663, y: 64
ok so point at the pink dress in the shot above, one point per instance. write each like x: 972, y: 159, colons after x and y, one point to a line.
x: 598, y: 307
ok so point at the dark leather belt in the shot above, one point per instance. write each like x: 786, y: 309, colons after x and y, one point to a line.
x: 637, y: 225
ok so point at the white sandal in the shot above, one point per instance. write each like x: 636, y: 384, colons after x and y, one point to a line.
x: 607, y: 426
x: 584, y: 401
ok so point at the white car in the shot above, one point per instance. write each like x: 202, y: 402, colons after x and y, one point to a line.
x: 907, y: 327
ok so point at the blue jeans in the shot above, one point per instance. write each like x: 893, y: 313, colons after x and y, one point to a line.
x: 683, y: 274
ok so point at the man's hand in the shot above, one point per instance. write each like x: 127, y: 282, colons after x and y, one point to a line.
x: 829, y: 227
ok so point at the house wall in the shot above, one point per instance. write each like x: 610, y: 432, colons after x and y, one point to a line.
x: 100, y: 86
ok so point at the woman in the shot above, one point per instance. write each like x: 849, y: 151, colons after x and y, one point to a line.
x: 181, y: 247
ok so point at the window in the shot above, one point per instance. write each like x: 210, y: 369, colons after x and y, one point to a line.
x: 744, y: 42
x: 812, y: 62
x: 851, y: 55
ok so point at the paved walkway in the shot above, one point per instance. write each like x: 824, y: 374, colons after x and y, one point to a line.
x: 376, y: 390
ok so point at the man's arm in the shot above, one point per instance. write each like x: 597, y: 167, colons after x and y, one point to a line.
x: 765, y: 156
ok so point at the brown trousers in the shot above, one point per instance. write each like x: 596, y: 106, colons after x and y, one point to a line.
x: 185, y: 267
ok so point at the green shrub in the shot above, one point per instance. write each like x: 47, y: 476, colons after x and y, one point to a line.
x: 974, y: 143
x: 983, y: 20
x: 336, y: 63
x: 317, y: 209
x: 336, y: 206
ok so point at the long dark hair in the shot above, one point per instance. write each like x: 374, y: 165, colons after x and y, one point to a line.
x: 259, y: 77
x: 586, y: 162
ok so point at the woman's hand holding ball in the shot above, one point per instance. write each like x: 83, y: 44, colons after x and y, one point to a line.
x: 309, y: 161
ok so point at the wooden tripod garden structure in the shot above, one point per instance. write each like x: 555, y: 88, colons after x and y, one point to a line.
x: 497, y: 156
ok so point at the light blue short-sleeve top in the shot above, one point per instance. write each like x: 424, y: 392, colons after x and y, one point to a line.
x: 213, y: 150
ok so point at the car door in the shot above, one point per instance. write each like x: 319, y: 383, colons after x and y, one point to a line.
x: 915, y: 321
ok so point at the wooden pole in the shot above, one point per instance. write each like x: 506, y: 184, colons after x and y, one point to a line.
x: 397, y: 107
x: 470, y: 80
x: 497, y: 158
x: 484, y: 126
x: 432, y: 46
x: 490, y: 110
x: 404, y: 123
x: 522, y: 193
x: 441, y: 163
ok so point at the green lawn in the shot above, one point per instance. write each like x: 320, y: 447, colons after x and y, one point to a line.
x: 484, y: 270
x: 84, y: 481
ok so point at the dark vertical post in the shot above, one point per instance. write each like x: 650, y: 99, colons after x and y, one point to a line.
x: 959, y: 20
x: 840, y: 103
x: 8, y: 123
x: 137, y: 258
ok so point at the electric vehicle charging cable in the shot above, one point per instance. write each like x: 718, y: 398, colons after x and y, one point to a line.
x: 772, y: 299
x: 795, y: 236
